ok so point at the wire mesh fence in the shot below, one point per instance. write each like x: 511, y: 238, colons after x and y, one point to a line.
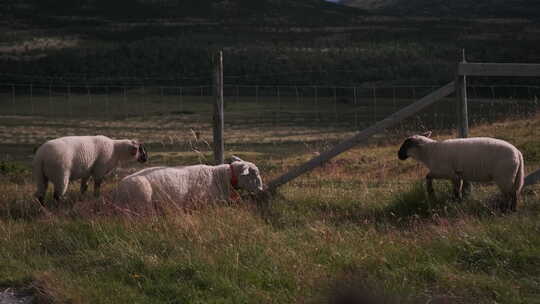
x: 254, y: 114
x: 106, y: 102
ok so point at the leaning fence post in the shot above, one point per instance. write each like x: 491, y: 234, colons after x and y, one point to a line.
x: 363, y: 135
x: 461, y: 96
x: 218, y: 109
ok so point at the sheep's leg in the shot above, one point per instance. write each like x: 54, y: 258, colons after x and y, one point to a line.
x: 466, y: 189
x: 84, y: 185
x: 458, y: 184
x: 42, y: 186
x: 429, y: 186
x: 513, y: 201
x: 60, y: 187
x: 509, y: 197
x: 97, y: 187
x: 504, y: 203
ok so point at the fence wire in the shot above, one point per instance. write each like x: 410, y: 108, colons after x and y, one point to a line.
x: 180, y: 117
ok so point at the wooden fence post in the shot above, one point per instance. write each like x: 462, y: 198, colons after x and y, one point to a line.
x: 218, y: 109
x: 465, y: 69
x: 461, y: 97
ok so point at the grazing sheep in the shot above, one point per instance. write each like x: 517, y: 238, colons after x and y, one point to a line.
x: 189, y: 184
x: 80, y: 157
x: 479, y: 159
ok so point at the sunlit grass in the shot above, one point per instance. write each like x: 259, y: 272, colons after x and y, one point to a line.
x: 363, y: 219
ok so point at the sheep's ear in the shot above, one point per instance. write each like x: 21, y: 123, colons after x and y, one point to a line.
x: 427, y: 134
x: 236, y: 158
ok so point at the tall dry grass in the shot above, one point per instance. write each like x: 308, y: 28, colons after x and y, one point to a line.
x: 361, y: 220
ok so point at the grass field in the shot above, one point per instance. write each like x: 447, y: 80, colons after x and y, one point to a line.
x: 360, y: 220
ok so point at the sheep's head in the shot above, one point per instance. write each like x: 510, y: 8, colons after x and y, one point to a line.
x: 138, y: 151
x: 249, y: 177
x: 412, y: 144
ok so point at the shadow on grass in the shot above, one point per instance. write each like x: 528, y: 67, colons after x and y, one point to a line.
x: 406, y: 208
x: 356, y: 290
x: 401, y: 210
x: 357, y: 287
x: 16, y: 209
x: 30, y: 209
x: 415, y: 205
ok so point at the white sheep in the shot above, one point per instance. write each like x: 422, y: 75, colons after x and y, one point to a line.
x: 479, y: 159
x: 71, y: 158
x: 183, y: 185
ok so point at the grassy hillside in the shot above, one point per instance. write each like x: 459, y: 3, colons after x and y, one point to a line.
x: 456, y: 8
x: 360, y: 220
x: 464, y: 8
x: 286, y: 42
x: 265, y: 11
x: 368, y: 4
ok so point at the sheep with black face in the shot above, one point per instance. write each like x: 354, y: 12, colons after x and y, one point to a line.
x: 479, y: 159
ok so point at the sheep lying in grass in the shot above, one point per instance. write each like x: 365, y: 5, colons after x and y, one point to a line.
x: 183, y: 185
x: 479, y: 159
x: 80, y: 157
